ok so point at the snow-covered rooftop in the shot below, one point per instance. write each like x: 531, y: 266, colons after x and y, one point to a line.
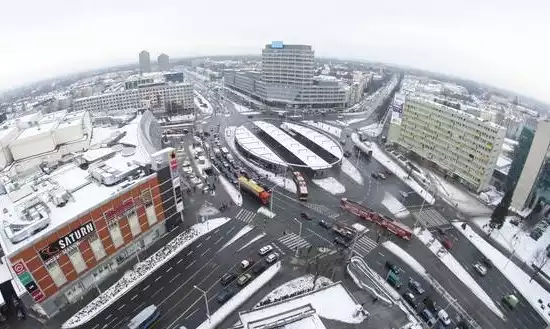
x: 305, y: 155
x: 316, y: 137
x: 36, y: 130
x: 247, y: 140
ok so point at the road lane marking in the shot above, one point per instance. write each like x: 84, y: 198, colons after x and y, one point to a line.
x: 158, y: 278
x: 216, y: 231
x: 157, y: 292
x: 134, y: 297
x: 189, y: 253
x: 190, y: 264
x: 108, y: 323
x: 230, y: 230
x: 169, y: 269
x: 208, y: 238
x: 94, y: 327
x: 179, y: 261
x: 217, y: 241
x: 191, y: 314
x: 207, y: 250
x: 109, y: 316
x: 174, y: 278
x: 146, y: 287
x: 198, y: 246
x: 121, y: 307
x: 140, y: 305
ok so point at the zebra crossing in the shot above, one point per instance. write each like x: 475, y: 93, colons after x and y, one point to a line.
x: 245, y: 216
x: 322, y: 209
x: 430, y: 218
x: 364, y: 245
x: 293, y: 241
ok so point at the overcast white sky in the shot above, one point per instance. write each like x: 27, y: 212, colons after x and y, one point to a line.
x: 504, y: 43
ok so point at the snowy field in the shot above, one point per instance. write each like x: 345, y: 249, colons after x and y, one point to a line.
x: 299, y: 284
x: 349, y: 169
x: 241, y: 108
x: 242, y: 232
x: 330, y: 184
x: 242, y: 296
x: 514, y: 238
x: 286, y: 183
x: 394, y: 206
x: 531, y: 290
x: 385, y: 160
x: 235, y: 196
x: 205, y: 110
x: 458, y: 270
x: 142, y: 270
x: 373, y: 130
x: 325, y: 127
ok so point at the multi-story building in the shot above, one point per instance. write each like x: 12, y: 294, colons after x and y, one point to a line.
x: 163, y: 62
x: 533, y: 184
x: 463, y: 146
x: 68, y: 225
x: 144, y: 61
x: 154, y: 91
x: 287, y: 79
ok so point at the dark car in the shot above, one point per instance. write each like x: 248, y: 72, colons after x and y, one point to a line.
x: 224, y: 296
x: 487, y: 262
x: 227, y: 278
x: 392, y: 267
x: 305, y: 216
x: 324, y: 223
x: 341, y: 242
x: 374, y: 175
x: 408, y: 296
x: 347, y: 154
x: 416, y: 286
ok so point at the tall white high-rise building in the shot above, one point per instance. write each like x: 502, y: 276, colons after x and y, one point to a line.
x: 144, y: 61
x: 163, y: 62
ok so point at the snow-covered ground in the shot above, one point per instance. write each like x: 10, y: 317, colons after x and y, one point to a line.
x: 236, y: 197
x: 330, y: 184
x: 373, y: 130
x: 531, y: 290
x: 349, y: 169
x: 407, y: 259
x: 205, y: 110
x: 242, y: 296
x: 458, y: 270
x: 254, y: 239
x: 303, y: 283
x: 241, y: 108
x: 142, y: 270
x: 356, y: 120
x: 325, y: 127
x: 286, y: 183
x: 394, y: 206
x: 385, y: 160
x: 458, y: 197
x: 242, y: 232
x: 515, y: 239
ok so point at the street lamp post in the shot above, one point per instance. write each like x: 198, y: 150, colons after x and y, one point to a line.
x: 205, y: 301
x: 299, y: 234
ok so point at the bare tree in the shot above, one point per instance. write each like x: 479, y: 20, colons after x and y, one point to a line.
x: 539, y: 260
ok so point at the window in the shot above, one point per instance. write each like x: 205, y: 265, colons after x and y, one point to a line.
x: 97, y: 247
x: 116, y: 235
x: 56, y: 273
x: 133, y: 222
x: 76, y: 258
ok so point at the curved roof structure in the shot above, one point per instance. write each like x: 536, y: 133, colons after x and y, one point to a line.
x: 317, y: 138
x: 248, y: 141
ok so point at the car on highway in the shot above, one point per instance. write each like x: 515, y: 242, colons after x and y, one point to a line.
x: 511, y: 301
x: 347, y: 154
x: 486, y: 262
x: 381, y: 175
x: 243, y: 279
x: 265, y: 249
x: 272, y: 257
x: 224, y: 295
x: 227, y: 278
x: 324, y: 223
x: 427, y: 316
x: 305, y: 216
x: 444, y: 317
x: 482, y: 270
x: 409, y: 297
x: 416, y: 286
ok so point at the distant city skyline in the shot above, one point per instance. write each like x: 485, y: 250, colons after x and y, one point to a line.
x: 497, y: 43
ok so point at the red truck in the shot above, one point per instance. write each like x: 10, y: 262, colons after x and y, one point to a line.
x: 390, y: 224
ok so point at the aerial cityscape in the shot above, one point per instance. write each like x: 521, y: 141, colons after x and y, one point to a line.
x: 277, y: 188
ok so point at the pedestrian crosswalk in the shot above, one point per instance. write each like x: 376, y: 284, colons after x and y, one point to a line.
x: 293, y: 241
x: 322, y: 209
x: 430, y: 218
x: 364, y: 245
x: 245, y: 216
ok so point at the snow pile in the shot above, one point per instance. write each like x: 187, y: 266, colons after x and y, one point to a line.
x: 330, y: 184
x: 241, y: 108
x: 205, y: 110
x: 236, y: 197
x: 242, y: 296
x: 407, y: 259
x: 394, y: 206
x: 266, y: 212
x: 384, y: 160
x: 256, y: 238
x: 458, y: 270
x: 142, y: 270
x: 373, y: 130
x: 516, y: 239
x: 237, y: 236
x: 356, y: 120
x: 299, y: 285
x: 349, y: 169
x: 286, y: 183
x: 325, y: 127
x: 531, y: 290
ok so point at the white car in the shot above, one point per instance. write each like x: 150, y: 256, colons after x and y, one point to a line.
x: 482, y: 270
x: 444, y: 317
x: 265, y: 249
x: 272, y: 257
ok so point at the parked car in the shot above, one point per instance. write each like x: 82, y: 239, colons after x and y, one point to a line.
x: 265, y: 249
x: 427, y: 316
x: 272, y: 257
x: 243, y: 279
x: 408, y: 296
x: 392, y: 267
x: 444, y: 317
x: 227, y: 278
x: 324, y: 223
x: 416, y: 286
x: 393, y: 280
x: 482, y: 270
x: 245, y: 264
x: 224, y: 295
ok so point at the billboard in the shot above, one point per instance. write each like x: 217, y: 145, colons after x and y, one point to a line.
x: 277, y: 45
x: 64, y: 242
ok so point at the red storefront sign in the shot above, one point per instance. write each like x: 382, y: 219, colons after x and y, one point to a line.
x: 19, y: 268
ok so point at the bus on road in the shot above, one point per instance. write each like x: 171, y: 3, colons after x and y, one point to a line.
x: 301, y: 186
x: 145, y: 319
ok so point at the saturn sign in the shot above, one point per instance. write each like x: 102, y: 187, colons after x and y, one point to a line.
x: 58, y: 246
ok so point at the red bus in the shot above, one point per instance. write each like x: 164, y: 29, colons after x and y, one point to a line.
x: 301, y: 186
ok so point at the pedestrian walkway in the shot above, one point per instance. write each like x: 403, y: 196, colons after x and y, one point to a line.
x: 429, y: 218
x: 322, y: 209
x: 364, y: 245
x: 245, y: 216
x: 293, y: 241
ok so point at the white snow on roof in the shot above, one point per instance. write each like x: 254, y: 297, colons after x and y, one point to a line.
x: 316, y: 137
x: 305, y: 155
x: 247, y: 140
x: 36, y: 130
